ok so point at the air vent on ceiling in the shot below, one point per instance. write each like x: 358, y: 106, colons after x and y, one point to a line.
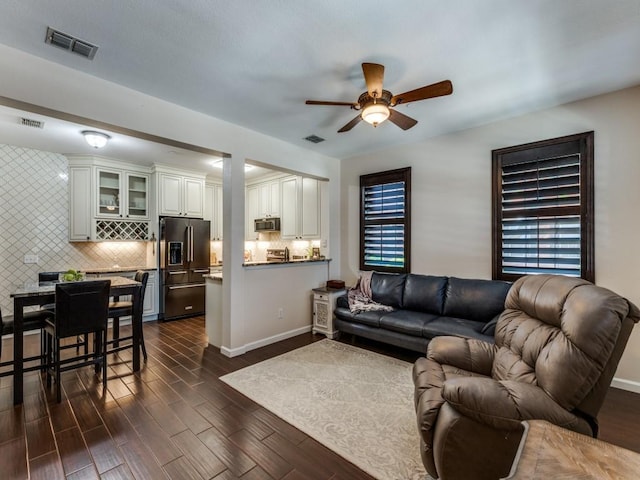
x: 314, y: 139
x: 66, y: 41
x: 30, y: 122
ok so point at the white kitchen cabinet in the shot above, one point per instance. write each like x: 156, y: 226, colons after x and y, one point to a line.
x: 179, y: 195
x: 122, y: 194
x: 150, y: 304
x: 80, y: 218
x: 262, y: 201
x: 213, y: 209
x: 252, y: 211
x: 300, y: 215
x: 108, y: 200
x: 269, y: 199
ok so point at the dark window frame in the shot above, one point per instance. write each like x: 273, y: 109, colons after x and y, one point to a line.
x: 578, y: 144
x: 382, y: 178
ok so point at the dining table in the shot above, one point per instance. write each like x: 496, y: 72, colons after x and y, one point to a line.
x: 42, y: 293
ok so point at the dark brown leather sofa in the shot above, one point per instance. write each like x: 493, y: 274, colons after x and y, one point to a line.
x: 425, y: 306
x: 557, y: 346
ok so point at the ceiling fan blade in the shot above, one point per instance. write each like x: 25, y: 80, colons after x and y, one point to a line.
x: 321, y: 102
x: 401, y: 120
x: 435, y: 90
x: 373, y: 76
x: 351, y: 124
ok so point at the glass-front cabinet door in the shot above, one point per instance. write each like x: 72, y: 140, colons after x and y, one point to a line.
x: 137, y: 195
x: 109, y: 194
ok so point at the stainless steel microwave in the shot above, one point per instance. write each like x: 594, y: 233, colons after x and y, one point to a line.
x: 270, y: 224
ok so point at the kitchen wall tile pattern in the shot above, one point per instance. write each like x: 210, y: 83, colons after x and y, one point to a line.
x: 34, y: 220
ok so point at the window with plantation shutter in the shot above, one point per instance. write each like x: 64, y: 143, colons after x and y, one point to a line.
x: 543, y: 208
x: 385, y: 221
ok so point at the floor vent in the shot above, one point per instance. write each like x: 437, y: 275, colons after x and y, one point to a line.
x: 30, y: 122
x: 314, y: 139
x: 66, y: 41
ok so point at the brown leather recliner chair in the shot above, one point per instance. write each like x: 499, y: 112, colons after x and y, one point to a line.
x: 557, y: 346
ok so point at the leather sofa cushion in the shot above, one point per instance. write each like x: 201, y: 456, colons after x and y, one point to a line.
x: 387, y: 288
x: 406, y: 321
x: 366, y: 318
x: 458, y: 327
x: 424, y: 293
x: 478, y: 300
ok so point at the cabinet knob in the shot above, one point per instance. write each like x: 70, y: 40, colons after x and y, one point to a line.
x: 88, y: 238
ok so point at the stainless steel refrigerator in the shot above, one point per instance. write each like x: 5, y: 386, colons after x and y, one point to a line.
x: 184, y: 259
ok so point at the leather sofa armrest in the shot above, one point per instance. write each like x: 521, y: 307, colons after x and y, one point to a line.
x: 504, y: 404
x: 469, y: 354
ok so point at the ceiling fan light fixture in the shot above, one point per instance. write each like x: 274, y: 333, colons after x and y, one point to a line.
x: 375, y: 113
x: 95, y: 139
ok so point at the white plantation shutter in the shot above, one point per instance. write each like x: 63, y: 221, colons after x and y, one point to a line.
x: 544, y: 218
x: 384, y: 221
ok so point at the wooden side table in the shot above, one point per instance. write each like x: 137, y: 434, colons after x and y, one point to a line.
x: 549, y: 451
x: 324, y: 300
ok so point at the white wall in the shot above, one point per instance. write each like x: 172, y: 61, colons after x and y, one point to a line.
x: 40, y: 82
x: 451, y: 197
x: 34, y: 219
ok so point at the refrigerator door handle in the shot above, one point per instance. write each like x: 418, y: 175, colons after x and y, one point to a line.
x: 191, y: 285
x: 181, y: 272
x: 190, y: 243
x: 201, y: 270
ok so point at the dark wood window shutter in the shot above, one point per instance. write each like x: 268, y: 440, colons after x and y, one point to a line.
x: 543, y: 208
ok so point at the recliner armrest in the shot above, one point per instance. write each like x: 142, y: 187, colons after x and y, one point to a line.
x: 468, y: 354
x: 504, y: 404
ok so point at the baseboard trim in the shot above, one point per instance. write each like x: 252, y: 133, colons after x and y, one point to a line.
x: 263, y: 342
x: 628, y: 385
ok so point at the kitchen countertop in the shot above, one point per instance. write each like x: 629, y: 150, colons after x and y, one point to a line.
x: 116, y: 269
x: 288, y: 262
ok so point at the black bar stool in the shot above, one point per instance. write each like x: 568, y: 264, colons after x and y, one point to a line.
x: 124, y: 308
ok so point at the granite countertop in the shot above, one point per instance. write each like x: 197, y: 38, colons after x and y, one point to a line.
x: 116, y: 269
x: 35, y: 289
x: 288, y: 262
x: 214, y: 276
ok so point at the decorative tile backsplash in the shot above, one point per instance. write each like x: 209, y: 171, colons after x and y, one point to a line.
x: 34, y: 220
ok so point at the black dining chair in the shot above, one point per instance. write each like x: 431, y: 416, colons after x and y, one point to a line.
x: 54, y: 277
x: 36, y: 320
x: 81, y: 309
x: 124, y: 308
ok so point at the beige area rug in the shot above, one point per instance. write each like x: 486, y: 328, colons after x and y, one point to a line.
x: 357, y: 403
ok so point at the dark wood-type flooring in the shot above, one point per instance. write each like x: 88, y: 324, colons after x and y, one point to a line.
x: 176, y: 419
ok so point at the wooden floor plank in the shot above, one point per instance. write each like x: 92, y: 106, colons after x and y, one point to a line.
x: 106, y: 454
x: 181, y: 469
x: 235, y: 459
x: 121, y: 472
x: 14, y: 459
x: 271, y: 462
x: 202, y: 459
x: 46, y: 467
x: 176, y: 418
x: 73, y: 452
x: 39, y: 437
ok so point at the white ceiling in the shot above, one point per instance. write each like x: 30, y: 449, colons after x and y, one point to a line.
x: 254, y: 63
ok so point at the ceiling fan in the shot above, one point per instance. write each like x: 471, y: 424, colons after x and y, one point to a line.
x: 376, y: 104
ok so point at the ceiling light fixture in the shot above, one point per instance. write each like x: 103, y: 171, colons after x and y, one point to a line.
x: 96, y: 139
x: 375, y: 113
